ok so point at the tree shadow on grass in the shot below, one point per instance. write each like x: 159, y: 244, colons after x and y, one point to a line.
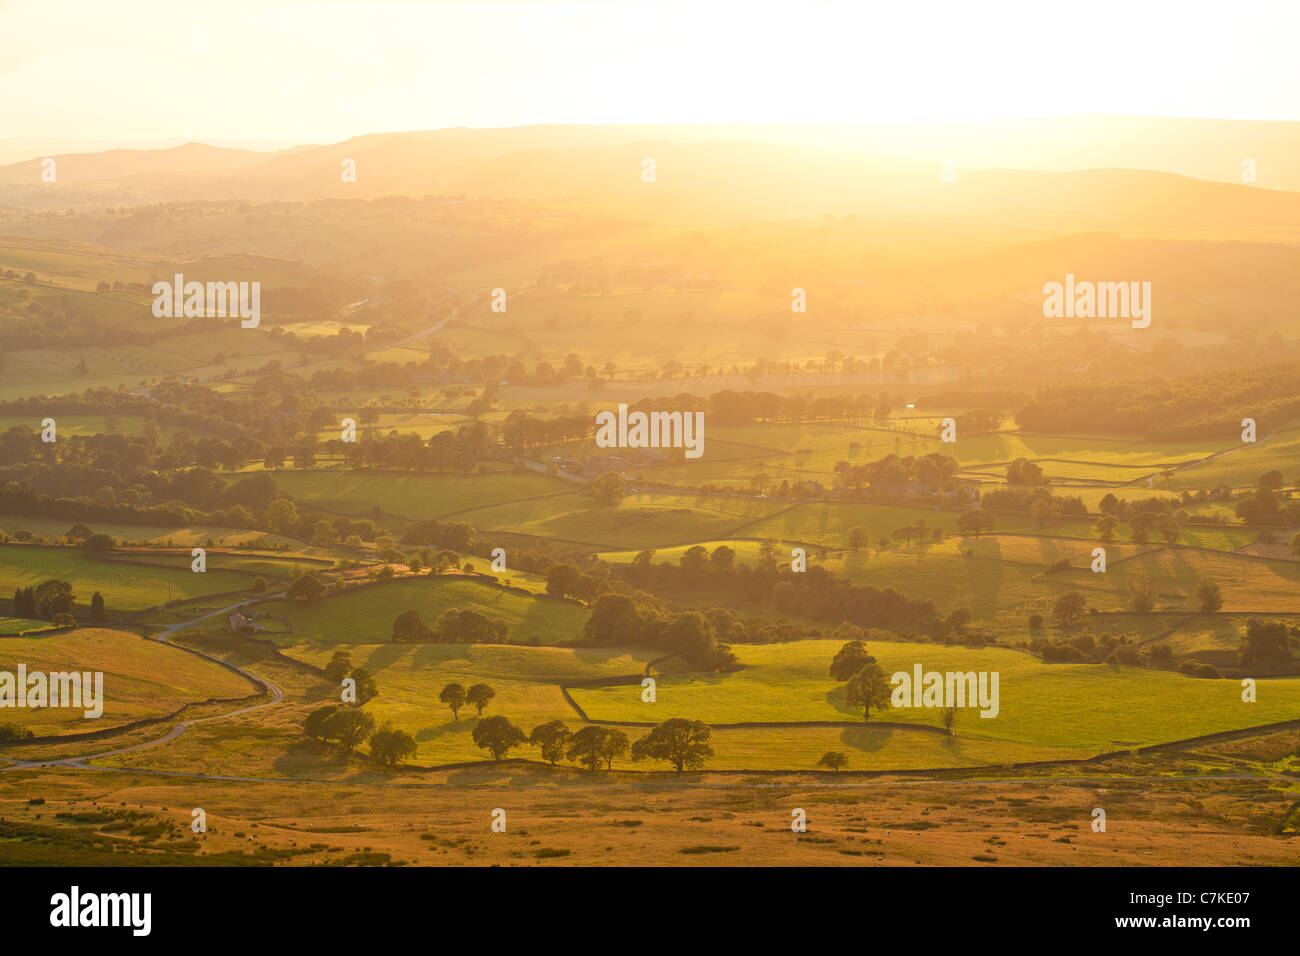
x: 836, y: 698
x: 514, y: 771
x: 307, y: 757
x: 601, y: 655
x: 382, y: 656
x: 866, y: 738
x: 463, y: 725
x: 428, y: 655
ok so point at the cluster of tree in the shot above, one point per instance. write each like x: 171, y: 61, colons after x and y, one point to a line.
x: 1067, y: 611
x: 307, y: 587
x: 1022, y: 471
x: 1267, y: 642
x: 350, y: 727
x: 340, y: 668
x: 976, y: 521
x: 1037, y: 502
x: 812, y: 593
x: 521, y: 430
x: 818, y: 594
x: 187, y: 497
x: 12, y: 734
x: 593, y: 747
x: 1163, y: 410
x: 608, y: 488
x: 742, y: 408
x: 1143, y: 526
x: 453, y: 626
x: 618, y: 618
x: 47, y: 600
x: 1263, y: 642
x: 761, y: 483
x: 1085, y: 647
x: 865, y: 683
x: 446, y: 450
x: 1125, y: 508
x: 277, y: 423
x: 22, y: 501
x: 564, y: 579
x: 1263, y: 506
x: 456, y: 535
x: 892, y: 475
x: 682, y: 743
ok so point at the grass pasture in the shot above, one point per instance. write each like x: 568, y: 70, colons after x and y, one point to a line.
x: 366, y: 615
x: 125, y: 586
x: 189, y: 536
x: 1095, y: 707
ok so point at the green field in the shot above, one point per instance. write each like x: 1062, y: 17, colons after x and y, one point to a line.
x: 270, y: 566
x: 125, y: 587
x: 1097, y: 707
x: 1241, y: 465
x: 366, y: 615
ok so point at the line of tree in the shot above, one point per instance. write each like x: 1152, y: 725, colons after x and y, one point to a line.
x: 45, y: 601
x: 1163, y: 410
x: 350, y: 727
x: 891, y: 475
x: 682, y: 743
x: 453, y: 626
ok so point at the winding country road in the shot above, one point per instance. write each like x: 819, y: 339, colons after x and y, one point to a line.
x: 277, y: 695
x: 455, y: 313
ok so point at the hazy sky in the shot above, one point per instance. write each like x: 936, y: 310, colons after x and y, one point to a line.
x: 323, y: 71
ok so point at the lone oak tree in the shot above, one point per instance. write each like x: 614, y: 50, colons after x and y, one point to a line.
x: 868, y: 688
